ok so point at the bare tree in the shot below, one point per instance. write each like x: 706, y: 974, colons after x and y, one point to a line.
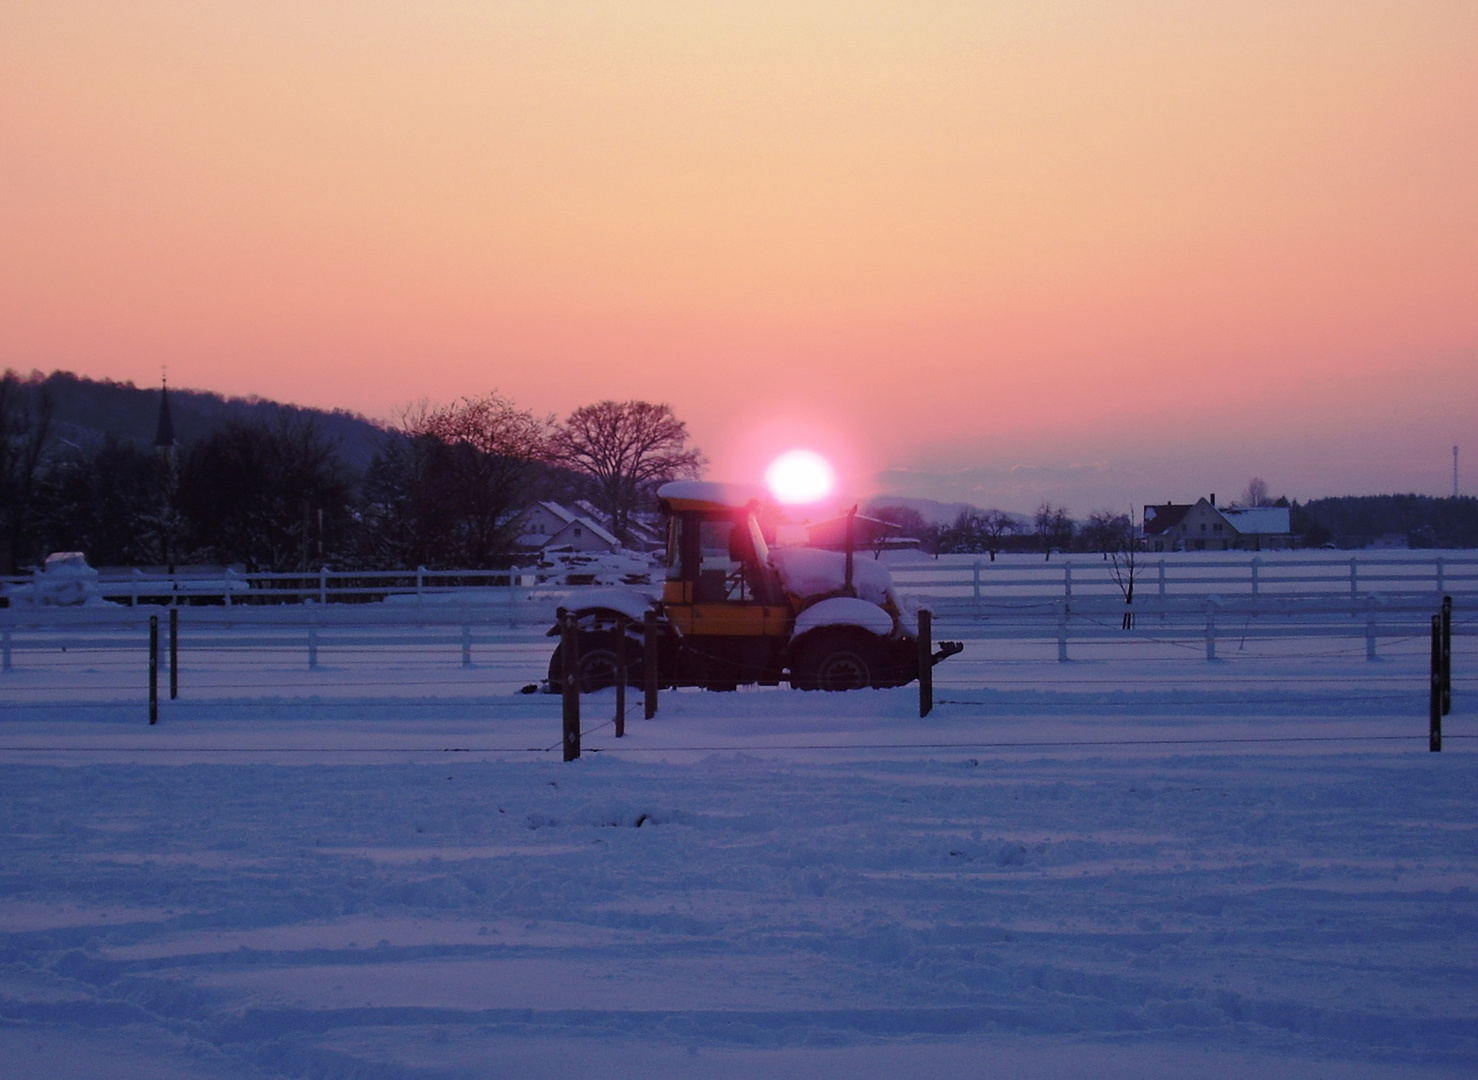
x: 446, y: 485
x: 1256, y: 493
x: 1054, y: 528
x: 1124, y: 565
x: 627, y: 449
x: 1107, y: 532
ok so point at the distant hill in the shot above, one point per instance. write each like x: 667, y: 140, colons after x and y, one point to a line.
x: 931, y: 510
x: 86, y: 410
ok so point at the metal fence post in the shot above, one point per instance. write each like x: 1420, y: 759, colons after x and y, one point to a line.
x: 323, y: 585
x: 466, y: 644
x: 153, y: 669
x: 313, y: 643
x: 926, y: 662
x: 1256, y: 571
x: 1441, y: 575
x: 420, y: 584
x: 569, y: 652
x: 1067, y: 582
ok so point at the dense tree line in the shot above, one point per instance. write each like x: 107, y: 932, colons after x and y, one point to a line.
x: 272, y: 487
x: 1354, y: 521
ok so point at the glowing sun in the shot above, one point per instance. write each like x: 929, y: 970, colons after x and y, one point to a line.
x: 800, y: 476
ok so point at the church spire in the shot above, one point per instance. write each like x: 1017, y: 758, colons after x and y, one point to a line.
x: 164, y: 432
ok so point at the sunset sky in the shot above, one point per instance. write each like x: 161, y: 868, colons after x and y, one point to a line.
x: 1102, y: 254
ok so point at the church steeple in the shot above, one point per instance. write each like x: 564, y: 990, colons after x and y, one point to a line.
x: 164, y: 431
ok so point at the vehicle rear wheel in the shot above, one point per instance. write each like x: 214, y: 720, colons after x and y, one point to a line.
x: 596, y: 666
x: 846, y: 661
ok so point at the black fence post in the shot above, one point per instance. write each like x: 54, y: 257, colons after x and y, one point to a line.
x: 649, y: 662
x: 621, y: 625
x: 1434, y: 727
x: 1446, y: 655
x: 153, y: 669
x: 174, y: 653
x: 569, y: 651
x: 926, y: 662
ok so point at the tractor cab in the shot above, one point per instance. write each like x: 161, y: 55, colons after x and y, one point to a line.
x: 717, y: 553
x: 720, y: 585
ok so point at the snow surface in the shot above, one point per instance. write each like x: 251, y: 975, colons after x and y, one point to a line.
x: 1137, y: 864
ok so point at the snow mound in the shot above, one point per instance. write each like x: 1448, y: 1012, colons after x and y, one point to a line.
x: 65, y: 581
x: 813, y: 572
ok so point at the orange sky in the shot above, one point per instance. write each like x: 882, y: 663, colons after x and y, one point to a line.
x: 1099, y: 253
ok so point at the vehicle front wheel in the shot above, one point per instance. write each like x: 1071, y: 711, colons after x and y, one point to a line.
x: 836, y: 661
x: 596, y: 667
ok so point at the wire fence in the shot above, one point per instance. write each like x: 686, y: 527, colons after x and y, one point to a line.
x: 1357, y: 665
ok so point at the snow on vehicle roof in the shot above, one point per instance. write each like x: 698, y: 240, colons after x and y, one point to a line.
x: 708, y: 491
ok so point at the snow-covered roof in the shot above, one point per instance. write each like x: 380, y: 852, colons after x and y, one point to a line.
x: 1260, y: 520
x: 595, y: 528
x: 707, y: 491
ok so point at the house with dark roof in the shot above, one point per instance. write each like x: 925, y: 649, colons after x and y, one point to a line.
x: 1203, y: 526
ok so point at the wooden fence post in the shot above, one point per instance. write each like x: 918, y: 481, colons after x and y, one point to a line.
x: 153, y: 669
x: 569, y: 651
x: 1434, y: 709
x: 649, y: 662
x: 174, y: 653
x: 621, y: 678
x: 926, y: 662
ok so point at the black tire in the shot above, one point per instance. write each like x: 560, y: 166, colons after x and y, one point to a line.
x: 597, y: 663
x: 834, y: 661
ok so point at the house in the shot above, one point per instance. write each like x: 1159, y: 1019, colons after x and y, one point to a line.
x: 1260, y: 528
x: 548, y: 525
x: 1203, y: 526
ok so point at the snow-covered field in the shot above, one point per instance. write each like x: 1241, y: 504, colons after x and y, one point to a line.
x: 1136, y: 864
